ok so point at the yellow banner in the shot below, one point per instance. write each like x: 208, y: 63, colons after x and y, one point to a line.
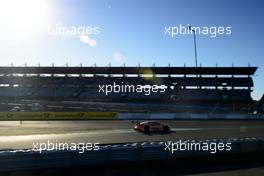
x: 58, y: 115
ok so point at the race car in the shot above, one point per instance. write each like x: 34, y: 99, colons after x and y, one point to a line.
x: 150, y: 126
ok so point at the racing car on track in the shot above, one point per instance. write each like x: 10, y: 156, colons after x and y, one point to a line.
x: 148, y: 126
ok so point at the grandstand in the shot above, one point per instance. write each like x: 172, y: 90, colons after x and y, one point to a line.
x: 215, y: 86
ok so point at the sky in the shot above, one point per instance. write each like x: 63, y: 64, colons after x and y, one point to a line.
x: 133, y: 32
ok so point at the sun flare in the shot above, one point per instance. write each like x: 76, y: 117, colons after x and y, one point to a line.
x: 23, y: 16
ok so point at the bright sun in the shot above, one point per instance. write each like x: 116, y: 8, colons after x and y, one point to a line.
x: 23, y: 16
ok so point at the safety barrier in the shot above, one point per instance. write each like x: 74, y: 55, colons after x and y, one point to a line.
x: 57, y: 115
x: 28, y: 159
x: 121, y: 116
x: 187, y: 116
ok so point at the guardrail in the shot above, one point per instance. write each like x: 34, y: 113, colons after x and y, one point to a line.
x: 122, y: 116
x: 11, y: 160
x: 187, y: 116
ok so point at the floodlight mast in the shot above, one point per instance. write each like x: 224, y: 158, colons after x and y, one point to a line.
x: 194, y: 43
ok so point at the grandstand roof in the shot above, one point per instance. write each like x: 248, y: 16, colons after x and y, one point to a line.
x: 261, y: 101
x: 130, y: 70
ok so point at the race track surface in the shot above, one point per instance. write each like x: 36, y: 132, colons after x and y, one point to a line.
x: 17, y: 135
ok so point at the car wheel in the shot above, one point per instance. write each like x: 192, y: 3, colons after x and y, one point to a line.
x: 166, y: 128
x: 146, y: 128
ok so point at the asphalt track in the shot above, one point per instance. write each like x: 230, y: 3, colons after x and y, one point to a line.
x: 17, y: 135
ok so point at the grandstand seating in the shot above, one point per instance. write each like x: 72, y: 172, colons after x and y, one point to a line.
x: 204, y: 84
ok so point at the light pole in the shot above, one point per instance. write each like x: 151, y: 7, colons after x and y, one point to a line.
x: 194, y: 42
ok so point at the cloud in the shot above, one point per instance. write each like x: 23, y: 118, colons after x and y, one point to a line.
x: 85, y: 39
x: 119, y: 57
